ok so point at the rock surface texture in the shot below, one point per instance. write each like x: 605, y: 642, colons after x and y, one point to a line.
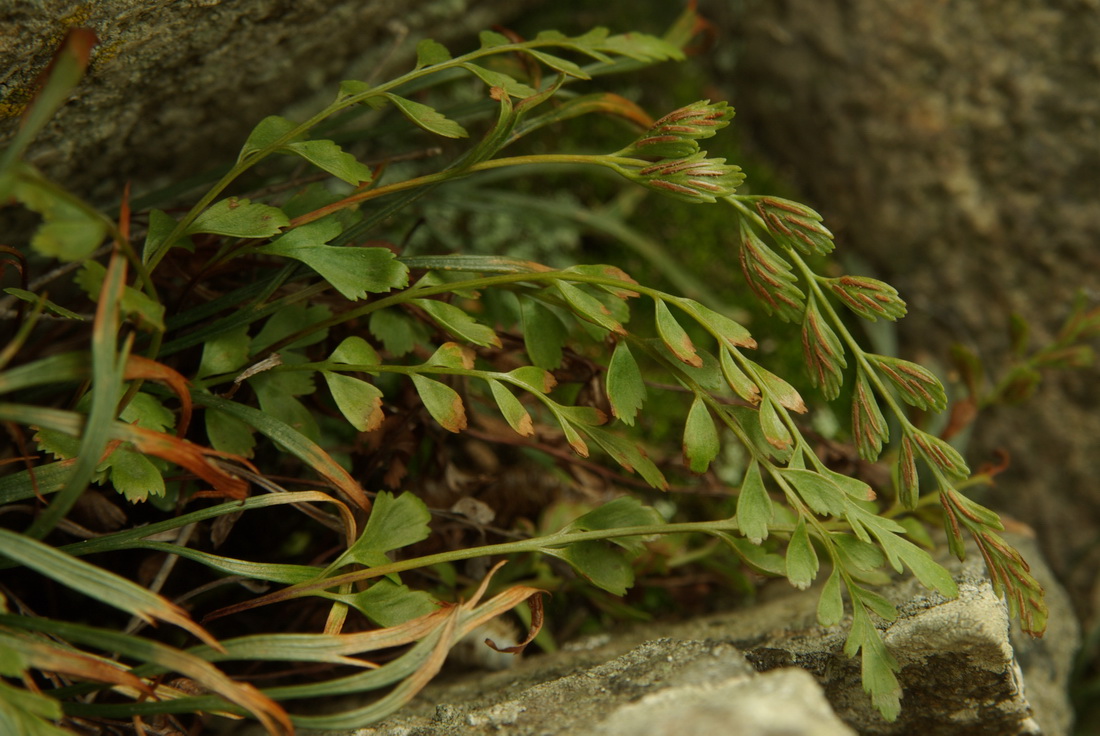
x: 174, y: 87
x: 685, y: 687
x: 785, y: 701
x: 772, y: 670
x: 956, y: 147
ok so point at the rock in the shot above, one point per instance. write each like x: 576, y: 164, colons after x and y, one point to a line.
x: 663, y: 686
x: 958, y: 669
x: 960, y: 673
x: 954, y: 147
x: 174, y: 89
x: 1047, y: 663
x: 777, y: 703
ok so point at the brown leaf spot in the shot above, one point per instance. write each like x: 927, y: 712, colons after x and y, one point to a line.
x: 374, y: 415
x: 685, y: 351
x: 526, y: 427
x: 457, y: 421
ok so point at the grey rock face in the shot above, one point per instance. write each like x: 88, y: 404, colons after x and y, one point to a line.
x: 174, y: 88
x: 663, y: 687
x: 779, y: 703
x: 960, y: 674
x: 955, y: 147
x: 958, y: 669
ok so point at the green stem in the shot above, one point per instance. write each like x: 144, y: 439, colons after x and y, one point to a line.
x: 716, y: 408
x: 613, y: 162
x: 813, y: 284
x: 249, y: 160
x: 535, y: 544
x: 471, y: 284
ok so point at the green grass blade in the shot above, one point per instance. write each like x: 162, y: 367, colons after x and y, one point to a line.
x: 45, y: 479
x: 268, y: 712
x: 95, y: 582
x: 69, y: 64
x: 54, y: 369
x: 294, y: 442
x: 107, y: 370
x: 131, y: 538
x: 275, y: 573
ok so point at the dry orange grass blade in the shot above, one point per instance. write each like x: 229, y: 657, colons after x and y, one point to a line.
x: 294, y: 442
x: 195, y: 458
x: 138, y: 367
x: 437, y: 632
x: 45, y: 656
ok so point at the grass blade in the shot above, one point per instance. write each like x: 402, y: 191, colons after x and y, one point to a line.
x: 267, y: 711
x: 106, y: 390
x: 294, y: 442
x: 95, y: 582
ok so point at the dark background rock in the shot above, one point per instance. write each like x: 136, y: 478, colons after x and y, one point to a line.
x: 175, y: 87
x: 956, y: 148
